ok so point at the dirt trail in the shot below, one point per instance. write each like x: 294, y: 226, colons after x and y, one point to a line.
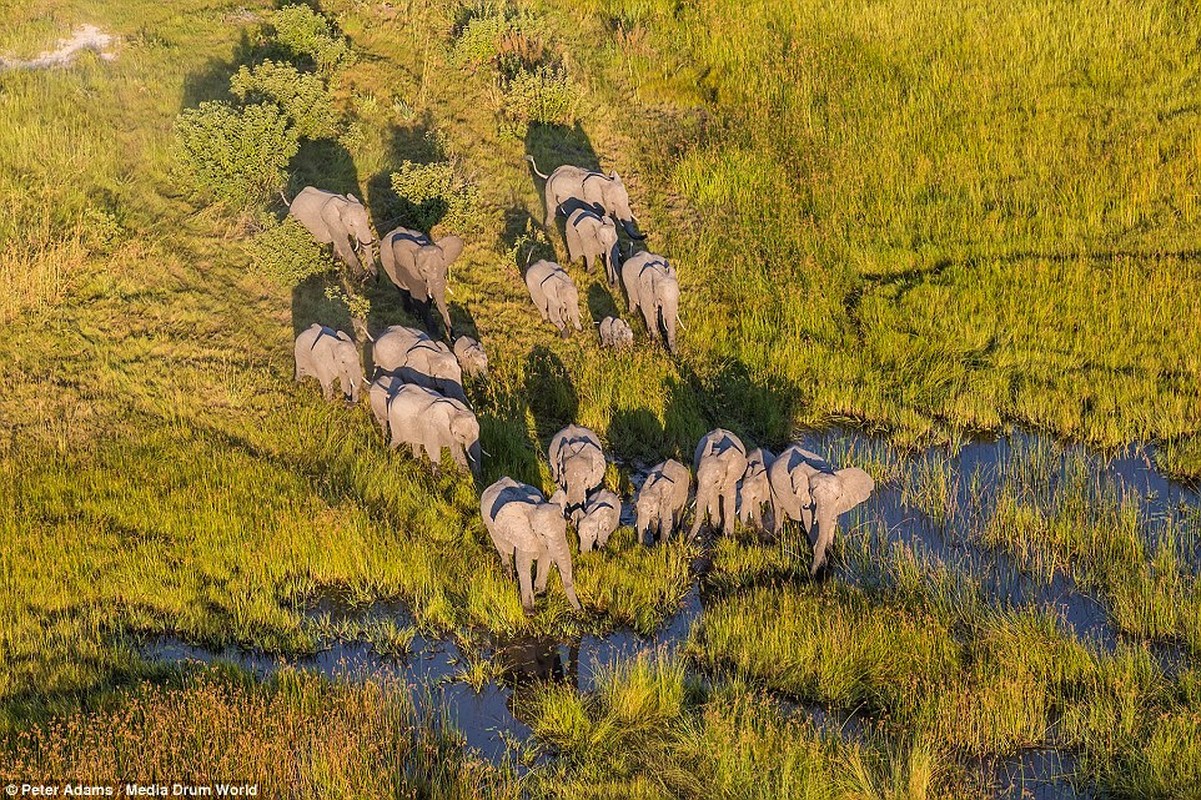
x: 86, y: 37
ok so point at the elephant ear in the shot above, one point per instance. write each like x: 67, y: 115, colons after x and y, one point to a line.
x: 451, y: 247
x: 353, y: 199
x: 857, y: 486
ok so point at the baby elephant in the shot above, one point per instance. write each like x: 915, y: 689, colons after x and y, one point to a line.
x: 555, y: 295
x: 525, y: 527
x: 662, y: 500
x: 720, y: 463
x: 591, y: 237
x: 328, y: 355
x: 577, y: 464
x: 756, y: 488
x: 423, y: 419
x: 601, y: 517
x: 616, y: 333
x: 472, y: 358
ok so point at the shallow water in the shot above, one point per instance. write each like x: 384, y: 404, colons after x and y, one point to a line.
x: 434, y: 667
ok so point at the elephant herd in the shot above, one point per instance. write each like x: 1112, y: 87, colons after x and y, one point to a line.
x: 417, y: 398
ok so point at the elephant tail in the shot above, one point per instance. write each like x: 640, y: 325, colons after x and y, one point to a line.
x: 282, y: 196
x: 536, y: 170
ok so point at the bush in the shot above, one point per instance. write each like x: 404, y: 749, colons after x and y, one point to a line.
x: 433, y: 193
x: 301, y: 96
x: 237, y: 155
x: 544, y: 95
x: 287, y: 254
x: 303, y: 32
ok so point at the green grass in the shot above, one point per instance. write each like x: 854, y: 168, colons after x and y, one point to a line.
x: 925, y: 219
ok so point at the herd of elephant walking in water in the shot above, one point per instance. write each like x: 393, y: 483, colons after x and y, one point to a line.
x: 417, y: 397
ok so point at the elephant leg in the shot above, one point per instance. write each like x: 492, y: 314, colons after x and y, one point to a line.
x: 552, y: 208
x: 542, y: 574
x: 524, y: 563
x: 346, y: 253
x: 327, y: 390
x: 702, y: 512
x: 651, y: 317
x: 727, y: 510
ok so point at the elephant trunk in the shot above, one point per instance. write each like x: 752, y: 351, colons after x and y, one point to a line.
x: 824, y: 528
x: 564, y: 565
x: 630, y: 226
x: 473, y: 458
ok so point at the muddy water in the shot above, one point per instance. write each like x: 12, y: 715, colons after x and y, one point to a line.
x: 434, y: 667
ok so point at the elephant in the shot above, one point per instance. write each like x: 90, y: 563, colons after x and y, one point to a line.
x: 805, y: 487
x: 591, y: 237
x: 419, y: 268
x: 577, y: 464
x: 615, y: 332
x: 651, y: 285
x: 416, y: 358
x: 526, y: 528
x: 380, y: 394
x: 555, y: 295
x: 587, y: 188
x: 720, y: 462
x: 329, y: 355
x: 601, y: 517
x: 756, y: 487
x: 421, y: 418
x: 662, y: 500
x: 340, y: 220
x: 473, y: 360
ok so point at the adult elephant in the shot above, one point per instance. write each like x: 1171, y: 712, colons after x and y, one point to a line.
x: 329, y: 355
x: 577, y: 464
x: 806, y: 488
x: 587, y: 187
x: 720, y: 462
x: 419, y: 268
x: 416, y: 358
x: 651, y: 286
x: 337, y: 219
x: 527, y: 529
x: 425, y: 420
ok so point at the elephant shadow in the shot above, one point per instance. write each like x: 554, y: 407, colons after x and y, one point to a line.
x: 601, y: 302
x: 553, y: 400
x: 637, y: 435
x: 760, y: 411
x: 501, y: 410
x: 326, y: 164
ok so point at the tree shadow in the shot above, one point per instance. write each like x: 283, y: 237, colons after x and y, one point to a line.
x: 310, y: 304
x: 551, y: 392
x: 388, y: 210
x: 326, y: 164
x: 211, y: 82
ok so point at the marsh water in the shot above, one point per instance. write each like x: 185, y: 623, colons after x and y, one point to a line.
x: 966, y: 482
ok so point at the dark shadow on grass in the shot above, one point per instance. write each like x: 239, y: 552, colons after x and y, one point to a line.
x: 637, y: 435
x: 551, y: 392
x: 388, y: 210
x: 601, y: 302
x: 504, y: 436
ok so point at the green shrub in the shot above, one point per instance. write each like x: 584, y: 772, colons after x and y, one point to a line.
x: 287, y: 254
x: 302, y: 96
x: 304, y: 32
x: 543, y: 95
x: 236, y: 155
x: 479, y: 41
x: 436, y: 192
